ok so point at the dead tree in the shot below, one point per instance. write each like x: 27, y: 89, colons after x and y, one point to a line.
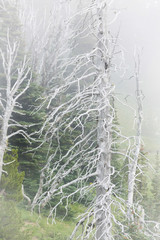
x: 86, y: 96
x: 135, y: 150
x: 104, y: 126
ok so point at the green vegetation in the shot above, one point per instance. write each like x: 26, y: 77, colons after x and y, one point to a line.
x: 11, y: 224
x: 16, y: 223
x: 39, y: 229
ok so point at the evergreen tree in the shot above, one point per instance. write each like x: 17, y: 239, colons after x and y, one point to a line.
x: 31, y: 157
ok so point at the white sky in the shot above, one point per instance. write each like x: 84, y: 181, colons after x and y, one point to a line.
x: 140, y: 26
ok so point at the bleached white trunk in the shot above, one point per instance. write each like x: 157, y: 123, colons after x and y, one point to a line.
x: 104, y: 189
x: 3, y: 135
x: 134, y: 162
x: 2, y: 149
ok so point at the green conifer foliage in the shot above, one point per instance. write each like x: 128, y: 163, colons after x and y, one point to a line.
x: 31, y: 158
x: 12, y: 180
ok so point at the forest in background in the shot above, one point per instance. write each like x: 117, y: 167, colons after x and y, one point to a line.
x: 62, y: 152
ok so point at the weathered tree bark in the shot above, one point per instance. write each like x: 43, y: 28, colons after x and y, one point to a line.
x: 104, y: 187
x: 3, y: 132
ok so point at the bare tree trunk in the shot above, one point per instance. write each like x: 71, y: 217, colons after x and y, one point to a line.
x: 104, y: 189
x: 2, y: 149
x: 133, y: 162
x: 3, y: 135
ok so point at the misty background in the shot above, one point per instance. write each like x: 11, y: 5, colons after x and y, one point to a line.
x: 138, y: 26
x: 139, y: 29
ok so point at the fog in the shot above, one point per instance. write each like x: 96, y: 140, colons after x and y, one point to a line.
x: 139, y: 29
x: 138, y: 23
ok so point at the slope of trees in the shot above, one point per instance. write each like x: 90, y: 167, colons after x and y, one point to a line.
x: 64, y: 124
